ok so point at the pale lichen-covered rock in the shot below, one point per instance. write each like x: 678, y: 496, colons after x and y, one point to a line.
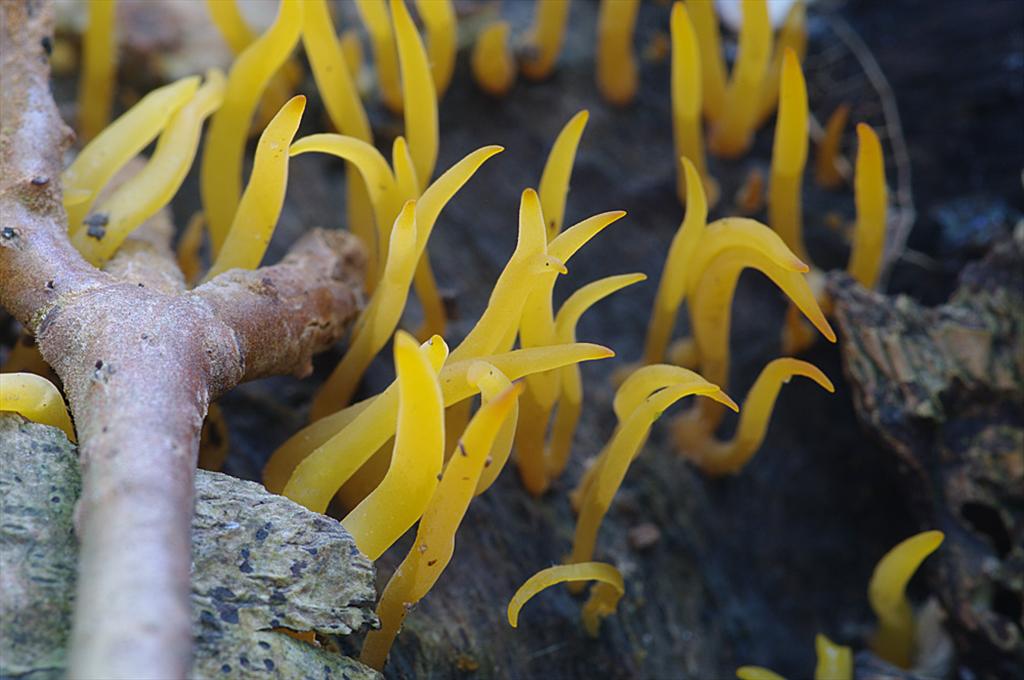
x: 260, y: 562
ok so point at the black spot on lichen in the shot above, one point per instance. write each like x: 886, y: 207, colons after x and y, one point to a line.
x: 277, y: 597
x: 311, y: 551
x: 47, y: 44
x: 226, y: 668
x: 297, y: 568
x: 97, y: 225
x: 245, y: 567
x: 222, y: 593
x: 264, y: 645
x: 228, y: 614
x: 268, y: 664
x: 55, y: 499
x: 8, y: 233
x: 263, y: 532
x: 243, y: 660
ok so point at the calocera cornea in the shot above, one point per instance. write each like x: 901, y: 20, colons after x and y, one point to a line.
x: 37, y: 399
x: 686, y: 90
x: 789, y: 155
x: 117, y: 144
x: 99, y: 68
x: 260, y: 207
x: 834, y: 662
x: 545, y: 37
x: 792, y: 36
x: 157, y: 182
x: 602, y: 602
x: 374, y: 14
x: 827, y: 156
x: 894, y: 640
x: 492, y: 384
x: 616, y: 64
x: 713, y: 73
x: 434, y: 544
x: 871, y: 198
x: 492, y: 62
x: 442, y: 40
x: 554, y: 179
x: 220, y: 172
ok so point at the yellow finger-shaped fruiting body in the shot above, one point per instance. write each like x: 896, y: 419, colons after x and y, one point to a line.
x: 220, y: 173
x: 647, y: 380
x: 604, y: 596
x: 374, y: 14
x: 419, y: 98
x: 757, y: 673
x: 352, y: 51
x: 792, y: 36
x: 712, y: 60
x: 377, y: 322
x: 492, y: 383
x: 672, y: 285
x: 871, y: 198
x: 403, y: 495
x: 442, y: 45
x: 624, y: 446
x: 120, y: 142
x: 435, y: 537
x: 155, y: 185
x: 546, y: 37
x: 327, y: 453
x: 257, y: 214
x: 687, y: 129
x: 554, y: 180
x: 718, y: 458
x: 35, y: 398
x: 99, y: 66
x: 835, y: 662
x: 570, y: 400
x: 494, y: 68
x: 789, y: 155
x: 734, y: 132
x: 826, y: 158
x: 616, y: 64
x: 893, y: 641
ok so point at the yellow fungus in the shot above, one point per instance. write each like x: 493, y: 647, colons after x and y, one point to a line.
x: 616, y: 63
x: 894, y: 639
x: 672, y: 285
x: 352, y: 51
x: 260, y: 207
x: 405, y: 170
x: 717, y: 458
x: 545, y: 37
x: 835, y: 662
x: 435, y: 537
x: 604, y: 596
x: 99, y: 68
x: 35, y: 398
x: 220, y: 173
x: 826, y: 163
x: 624, y: 446
x: 494, y: 68
x: 757, y: 673
x: 871, y: 198
x: 554, y: 180
x: 734, y: 132
x: 418, y: 94
x: 378, y: 320
x: 442, y: 45
x: 792, y: 36
x: 789, y: 155
x: 712, y: 61
x: 189, y: 244
x: 492, y: 383
x: 155, y: 185
x: 374, y: 14
x: 570, y: 402
x: 394, y: 506
x: 117, y: 144
x: 686, y: 98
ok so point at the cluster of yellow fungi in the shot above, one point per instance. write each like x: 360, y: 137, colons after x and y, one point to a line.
x: 416, y: 452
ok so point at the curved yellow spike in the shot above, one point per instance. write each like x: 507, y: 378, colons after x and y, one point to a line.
x: 228, y: 19
x: 616, y: 65
x: 404, y: 493
x: 792, y: 36
x: 887, y: 593
x: 378, y: 321
x: 492, y: 383
x: 604, y: 596
x: 739, y: 233
x: 99, y: 68
x: 718, y: 458
x: 257, y: 214
x: 494, y: 68
x: 352, y: 51
x: 117, y: 144
x: 871, y: 197
x: 734, y: 133
x: 757, y: 673
x: 826, y: 159
x: 570, y: 402
x: 672, y: 285
x: 647, y: 380
x: 624, y: 446
x: 835, y: 662
x: 546, y: 36
x: 405, y: 170
x: 789, y: 155
x: 419, y: 98
x: 374, y: 14
x: 220, y: 172
x: 442, y: 33
x: 435, y: 538
x: 554, y: 180
x: 37, y: 399
x: 687, y: 129
x: 711, y: 58
x: 155, y: 185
